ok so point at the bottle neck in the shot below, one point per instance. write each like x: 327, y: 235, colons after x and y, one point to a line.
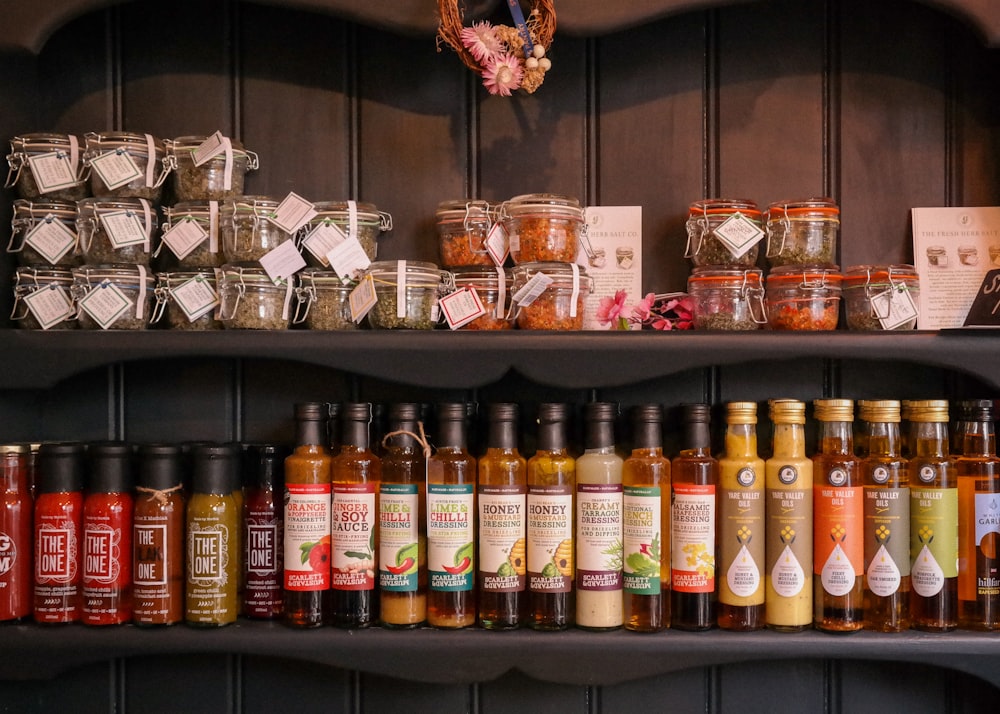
x: 930, y: 439
x: 503, y: 435
x: 741, y: 440
x: 836, y: 438
x: 552, y: 436
x: 647, y: 436
x: 600, y: 436
x: 452, y: 434
x: 309, y: 432
x: 979, y: 439
x: 789, y: 441
x: 355, y: 435
x: 697, y: 437
x: 883, y: 438
x: 402, y: 439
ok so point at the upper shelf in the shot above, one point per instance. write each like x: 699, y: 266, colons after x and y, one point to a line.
x: 465, y: 360
x: 27, y: 24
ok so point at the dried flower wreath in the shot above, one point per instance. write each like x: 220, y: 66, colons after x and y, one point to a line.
x: 507, y: 58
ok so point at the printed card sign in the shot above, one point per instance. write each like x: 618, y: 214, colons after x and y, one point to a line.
x: 105, y: 304
x: 123, y: 228
x: 612, y: 254
x: 195, y: 297
x: 985, y: 308
x: 462, y: 307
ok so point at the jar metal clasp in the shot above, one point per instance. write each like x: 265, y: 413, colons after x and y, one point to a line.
x: 697, y: 228
x: 241, y: 290
x: 306, y: 295
x: 476, y: 226
x: 754, y: 296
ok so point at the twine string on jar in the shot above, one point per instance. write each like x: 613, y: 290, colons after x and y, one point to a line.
x: 420, y: 438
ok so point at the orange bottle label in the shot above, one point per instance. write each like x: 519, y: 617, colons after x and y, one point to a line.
x: 838, y: 530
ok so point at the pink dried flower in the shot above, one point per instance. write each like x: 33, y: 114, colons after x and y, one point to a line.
x: 503, y: 74
x: 612, y: 311
x: 642, y: 310
x: 481, y: 41
x: 675, y: 314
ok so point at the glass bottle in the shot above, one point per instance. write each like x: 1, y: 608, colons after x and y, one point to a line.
x: 307, y: 520
x: 551, y: 485
x: 646, y: 525
x: 213, y: 526
x: 887, y: 521
x: 838, y: 521
x: 107, y: 536
x: 933, y: 519
x: 15, y: 533
x: 263, y: 529
x: 356, y: 474
x: 695, y: 475
x: 599, y: 523
x: 58, y: 531
x: 979, y: 522
x: 501, y: 500
x: 788, y: 476
x: 451, y: 506
x: 741, y: 523
x: 402, y: 528
x: 158, y: 536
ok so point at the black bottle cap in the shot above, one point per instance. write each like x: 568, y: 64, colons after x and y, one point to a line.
x: 60, y: 467
x: 216, y: 468
x: 159, y: 466
x: 312, y: 411
x: 600, y: 432
x: 110, y: 467
x: 503, y: 426
x: 452, y: 411
x: 451, y: 425
x: 264, y: 465
x: 404, y: 417
x: 697, y: 413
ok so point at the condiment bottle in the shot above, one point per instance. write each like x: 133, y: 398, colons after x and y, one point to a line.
x: 213, y: 526
x: 264, y: 527
x: 646, y: 525
x: 887, y: 521
x: 838, y: 521
x: 58, y: 532
x: 501, y: 500
x: 599, y: 523
x: 107, y: 536
x: 695, y: 475
x: 158, y: 536
x: 356, y: 474
x: 551, y: 484
x: 979, y: 522
x: 451, y: 506
x: 788, y: 478
x: 402, y: 528
x: 307, y: 520
x: 933, y: 519
x: 15, y: 533
x: 741, y: 523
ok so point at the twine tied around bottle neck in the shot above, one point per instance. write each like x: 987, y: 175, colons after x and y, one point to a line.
x: 160, y: 496
x: 420, y: 438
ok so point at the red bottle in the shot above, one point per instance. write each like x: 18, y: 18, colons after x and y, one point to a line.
x: 58, y: 529
x: 264, y: 524
x: 15, y: 533
x: 107, y: 536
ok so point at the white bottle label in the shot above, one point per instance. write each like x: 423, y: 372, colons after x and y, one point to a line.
x: 599, y: 547
x: 642, y: 537
x: 450, y: 542
x: 399, y: 537
x: 353, y: 527
x: 550, y: 539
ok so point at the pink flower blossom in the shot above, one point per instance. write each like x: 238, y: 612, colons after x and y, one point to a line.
x: 481, y: 41
x: 642, y: 310
x: 612, y: 310
x: 502, y: 74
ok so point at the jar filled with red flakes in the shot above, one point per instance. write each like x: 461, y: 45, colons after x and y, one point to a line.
x: 543, y: 227
x: 494, y: 288
x: 551, y: 296
x: 803, y: 298
x: 462, y: 227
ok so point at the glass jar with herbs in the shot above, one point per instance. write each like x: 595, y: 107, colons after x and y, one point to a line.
x: 802, y: 232
x: 462, y: 227
x: 543, y: 227
x: 248, y: 231
x: 212, y: 174
x: 881, y: 297
x: 727, y: 298
x: 191, y: 234
x: 44, y: 233
x: 43, y: 298
x: 46, y: 166
x: 324, y: 301
x: 187, y: 300
x: 123, y: 164
x: 551, y: 296
x: 357, y: 219
x: 408, y: 293
x: 803, y: 298
x: 494, y: 286
x: 251, y: 300
x: 723, y: 231
x: 116, y: 230
x: 113, y: 297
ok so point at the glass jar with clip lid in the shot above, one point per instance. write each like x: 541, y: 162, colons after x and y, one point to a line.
x: 46, y: 166
x: 494, y: 286
x: 191, y: 234
x: 723, y: 231
x: 727, y: 298
x: 802, y: 232
x: 44, y: 233
x: 251, y: 300
x: 543, y: 227
x: 212, y: 174
x: 124, y: 164
x: 248, y: 233
x: 324, y: 301
x: 462, y: 227
x: 188, y: 299
x: 43, y: 299
x: 116, y: 230
x: 551, y: 296
x: 113, y: 297
x: 350, y: 218
x: 408, y: 292
x: 803, y: 298
x: 881, y: 297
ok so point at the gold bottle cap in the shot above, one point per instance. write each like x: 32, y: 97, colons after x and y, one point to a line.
x: 741, y: 413
x: 879, y: 410
x: 833, y: 409
x: 927, y: 410
x: 787, y: 411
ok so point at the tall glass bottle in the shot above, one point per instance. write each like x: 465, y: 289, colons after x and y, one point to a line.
x: 501, y: 498
x: 402, y: 527
x: 788, y: 478
x: 979, y: 523
x: 741, y: 523
x: 451, y: 508
x: 263, y: 524
x: 356, y: 474
x: 694, y: 479
x: 15, y: 532
x: 646, y: 524
x: 599, y: 523
x: 551, y: 486
x: 838, y: 521
x: 307, y: 520
x: 933, y: 519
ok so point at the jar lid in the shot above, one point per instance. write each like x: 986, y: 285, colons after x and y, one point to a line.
x: 808, y: 277
x: 927, y: 410
x: 708, y: 277
x: 561, y: 274
x: 42, y: 141
x: 40, y: 210
x: 105, y: 205
x: 479, y: 276
x: 325, y: 279
x: 115, y: 272
x: 178, y: 277
x: 261, y: 205
x: 159, y: 467
x: 462, y: 209
x: 15, y: 449
x: 190, y: 143
x: 879, y: 410
x: 883, y: 275
x: 216, y: 468
x: 418, y: 273
x: 546, y: 203
x: 367, y: 212
x: 60, y: 467
x: 249, y: 274
x: 189, y: 208
x: 110, y: 467
x: 35, y: 273
x: 724, y: 207
x: 264, y: 465
x: 807, y: 208
x: 122, y: 140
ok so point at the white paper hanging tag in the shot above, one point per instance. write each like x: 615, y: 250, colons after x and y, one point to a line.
x: 51, y: 239
x: 530, y: 291
x: 52, y: 171
x: 363, y: 298
x: 462, y: 307
x: 124, y: 228
x: 183, y: 237
x: 894, y: 307
x: 50, y: 305
x: 348, y: 258
x: 739, y: 234
x: 282, y: 262
x: 497, y: 244
x: 293, y: 213
x: 115, y: 168
x: 105, y: 304
x: 195, y: 296
x: 321, y: 240
x: 209, y: 149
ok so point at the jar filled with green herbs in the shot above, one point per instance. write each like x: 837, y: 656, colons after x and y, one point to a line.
x: 113, y: 297
x: 723, y: 231
x: 251, y: 300
x: 187, y: 300
x: 727, y: 298
x: 408, y: 293
x: 324, y: 301
x: 346, y: 219
x: 802, y: 232
x: 116, y: 230
x: 248, y: 231
x: 43, y: 298
x: 881, y: 297
x: 47, y: 166
x: 44, y: 233
x: 212, y: 174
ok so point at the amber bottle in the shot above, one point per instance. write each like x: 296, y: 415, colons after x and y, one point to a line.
x: 451, y: 509
x: 694, y: 478
x: 551, y: 485
x: 838, y: 521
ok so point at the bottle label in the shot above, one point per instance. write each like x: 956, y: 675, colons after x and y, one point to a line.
x: 741, y: 530
x: 550, y: 539
x: 838, y: 534
x: 641, y: 535
x: 55, y: 553
x: 57, y: 570
x: 933, y: 538
x: 102, y: 554
x: 307, y: 536
x: 502, y: 545
x: 106, y: 573
x: 599, y: 537
x: 887, y: 541
x: 150, y: 554
x: 399, y: 537
x: 789, y: 529
x: 353, y: 536
x: 211, y: 574
x: 692, y: 539
x: 263, y: 551
x: 450, y: 547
